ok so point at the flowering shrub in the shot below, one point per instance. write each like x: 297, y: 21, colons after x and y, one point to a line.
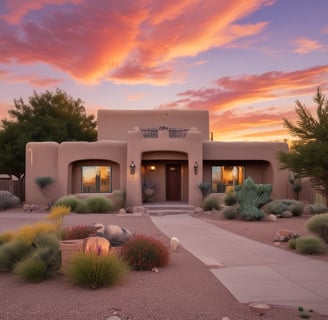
x: 145, y: 253
x: 77, y: 232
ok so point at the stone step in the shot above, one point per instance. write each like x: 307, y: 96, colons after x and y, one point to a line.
x: 164, y: 212
x: 165, y: 209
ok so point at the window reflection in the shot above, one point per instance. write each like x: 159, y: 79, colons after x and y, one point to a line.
x: 226, y: 176
x: 96, y: 179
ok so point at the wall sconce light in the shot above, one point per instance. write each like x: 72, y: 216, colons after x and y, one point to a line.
x: 152, y: 167
x: 196, y: 167
x: 132, y: 168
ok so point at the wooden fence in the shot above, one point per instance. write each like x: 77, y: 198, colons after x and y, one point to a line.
x: 15, y: 187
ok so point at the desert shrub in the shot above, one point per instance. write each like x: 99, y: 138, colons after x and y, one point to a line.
x: 82, y: 207
x: 230, y: 199
x: 292, y: 243
x: 118, y: 198
x: 8, y: 200
x: 205, y: 188
x: 28, y: 232
x: 251, y: 197
x: 99, y: 204
x: 145, y: 253
x: 211, y: 202
x: 318, y: 224
x: 230, y: 213
x: 56, y: 215
x: 31, y: 269
x: 77, y: 232
x: 93, y: 271
x: 277, y: 207
x: 43, y: 182
x: 6, y: 237
x: 309, y: 245
x: 68, y: 201
x: 12, y: 252
x: 317, y: 208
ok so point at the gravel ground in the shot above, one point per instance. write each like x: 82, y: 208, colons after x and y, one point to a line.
x: 185, y: 289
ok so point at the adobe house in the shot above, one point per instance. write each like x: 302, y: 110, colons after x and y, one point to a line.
x: 152, y: 155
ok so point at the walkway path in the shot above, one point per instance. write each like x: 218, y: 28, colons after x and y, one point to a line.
x: 252, y: 271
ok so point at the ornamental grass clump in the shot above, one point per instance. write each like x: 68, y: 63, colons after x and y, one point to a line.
x: 77, y: 232
x: 28, y: 232
x: 230, y: 213
x: 318, y: 224
x: 6, y: 237
x: 99, y: 204
x: 309, y: 245
x: 68, y: 201
x: 145, y: 253
x: 95, y: 271
x: 211, y: 202
x: 56, y: 215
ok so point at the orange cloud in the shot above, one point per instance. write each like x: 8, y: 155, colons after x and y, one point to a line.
x: 305, y: 45
x: 122, y: 41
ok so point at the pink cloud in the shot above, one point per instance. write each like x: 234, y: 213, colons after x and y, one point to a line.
x: 305, y: 45
x: 121, y: 40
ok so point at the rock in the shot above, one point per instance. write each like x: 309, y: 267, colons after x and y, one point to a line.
x: 198, y: 210
x: 285, y: 235
x: 122, y: 211
x: 98, y: 245
x: 174, y: 243
x: 116, y: 235
x: 287, y: 214
x: 259, y: 308
x: 272, y: 218
x: 27, y: 208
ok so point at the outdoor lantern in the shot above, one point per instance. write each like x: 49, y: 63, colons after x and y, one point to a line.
x: 132, y: 168
x: 196, y: 167
x: 152, y: 167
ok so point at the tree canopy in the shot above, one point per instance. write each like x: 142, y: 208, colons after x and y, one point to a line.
x: 48, y: 116
x: 308, y: 156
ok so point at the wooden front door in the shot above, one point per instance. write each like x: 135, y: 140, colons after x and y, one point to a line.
x: 173, y: 182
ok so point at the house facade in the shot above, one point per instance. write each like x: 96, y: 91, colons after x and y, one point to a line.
x: 153, y: 156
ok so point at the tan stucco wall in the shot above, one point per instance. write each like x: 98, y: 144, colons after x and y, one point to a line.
x: 115, y: 124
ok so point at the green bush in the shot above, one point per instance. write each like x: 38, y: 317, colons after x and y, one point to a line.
x: 118, y: 198
x: 145, y: 253
x: 31, y: 269
x: 230, y: 199
x: 77, y: 232
x: 93, y: 271
x: 277, y: 207
x: 292, y: 243
x: 82, y: 207
x: 230, y: 213
x: 99, y: 204
x: 309, y: 245
x: 317, y: 208
x: 211, y: 202
x: 43, y: 182
x: 68, y: 201
x: 318, y: 224
x: 8, y: 200
x: 11, y: 252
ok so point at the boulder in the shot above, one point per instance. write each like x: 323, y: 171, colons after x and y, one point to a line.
x: 287, y: 214
x: 122, y: 211
x: 272, y: 218
x: 174, y: 243
x: 115, y: 234
x: 98, y: 245
x: 285, y: 235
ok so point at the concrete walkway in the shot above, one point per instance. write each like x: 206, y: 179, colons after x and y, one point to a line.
x: 252, y: 271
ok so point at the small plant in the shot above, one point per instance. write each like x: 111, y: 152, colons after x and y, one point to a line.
x: 43, y: 183
x: 211, y: 202
x: 318, y: 224
x: 292, y: 244
x: 6, y: 237
x: 99, y: 204
x: 8, y: 200
x: 12, y: 252
x: 93, y: 271
x: 118, y: 198
x: 205, y: 188
x: 230, y: 198
x: 56, y: 215
x: 77, y: 232
x: 68, y: 201
x: 28, y: 232
x: 317, y: 208
x: 309, y: 245
x: 31, y: 269
x: 230, y: 213
x: 145, y: 253
x: 277, y: 207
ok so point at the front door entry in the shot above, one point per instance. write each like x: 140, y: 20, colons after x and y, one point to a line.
x: 173, y: 182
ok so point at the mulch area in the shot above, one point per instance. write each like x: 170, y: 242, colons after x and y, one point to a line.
x: 185, y: 289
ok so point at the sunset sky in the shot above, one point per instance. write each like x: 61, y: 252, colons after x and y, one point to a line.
x: 246, y: 61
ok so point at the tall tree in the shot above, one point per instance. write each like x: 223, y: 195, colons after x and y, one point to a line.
x: 48, y: 116
x: 308, y: 157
